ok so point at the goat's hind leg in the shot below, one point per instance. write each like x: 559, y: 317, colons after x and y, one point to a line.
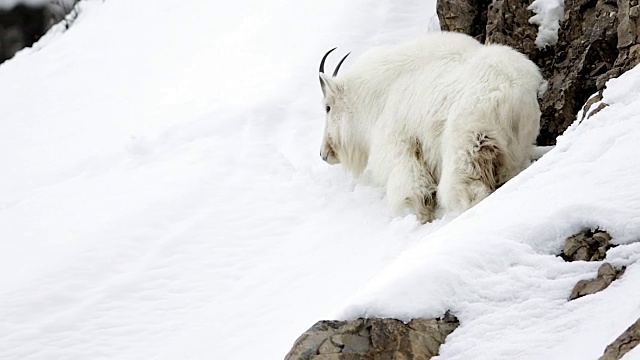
x: 411, y: 184
x: 471, y: 172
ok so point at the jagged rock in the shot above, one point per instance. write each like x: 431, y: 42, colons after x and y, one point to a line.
x: 606, y: 275
x: 628, y: 32
x: 373, y: 339
x: 598, y: 40
x: 623, y: 344
x: 508, y: 23
x: 458, y: 15
x: 465, y: 16
x: 587, y: 246
x: 583, y: 60
x: 309, y: 343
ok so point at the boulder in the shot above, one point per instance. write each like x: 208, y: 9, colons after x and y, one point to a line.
x: 373, y: 339
x: 587, y: 245
x: 606, y: 275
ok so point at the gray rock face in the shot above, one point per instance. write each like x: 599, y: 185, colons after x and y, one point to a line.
x: 469, y: 17
x: 598, y: 40
x: 623, y: 344
x: 373, y: 339
x: 581, y: 62
x: 508, y: 23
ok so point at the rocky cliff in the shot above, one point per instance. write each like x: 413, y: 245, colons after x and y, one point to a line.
x: 597, y: 40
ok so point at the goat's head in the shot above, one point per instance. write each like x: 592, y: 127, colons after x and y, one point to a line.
x: 336, y: 109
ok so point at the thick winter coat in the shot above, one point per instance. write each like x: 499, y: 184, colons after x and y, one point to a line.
x: 441, y: 120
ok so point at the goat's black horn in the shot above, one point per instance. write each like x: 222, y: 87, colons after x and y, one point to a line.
x: 335, y: 72
x: 325, y: 58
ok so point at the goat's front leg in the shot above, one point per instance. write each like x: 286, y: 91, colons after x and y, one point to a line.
x: 411, y: 183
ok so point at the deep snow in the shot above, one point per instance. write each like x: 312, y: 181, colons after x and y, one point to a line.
x: 162, y: 197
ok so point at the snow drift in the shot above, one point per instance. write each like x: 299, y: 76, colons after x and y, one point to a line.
x: 162, y: 197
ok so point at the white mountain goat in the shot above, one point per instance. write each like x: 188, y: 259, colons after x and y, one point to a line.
x: 442, y: 120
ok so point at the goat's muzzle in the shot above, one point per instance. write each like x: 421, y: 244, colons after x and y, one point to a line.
x: 328, y: 154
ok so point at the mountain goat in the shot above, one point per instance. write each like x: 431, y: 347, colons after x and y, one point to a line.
x: 442, y: 120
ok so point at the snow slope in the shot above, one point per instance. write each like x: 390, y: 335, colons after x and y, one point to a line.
x: 162, y: 197
x: 162, y: 194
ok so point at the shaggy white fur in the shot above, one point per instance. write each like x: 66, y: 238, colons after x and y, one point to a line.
x: 442, y: 120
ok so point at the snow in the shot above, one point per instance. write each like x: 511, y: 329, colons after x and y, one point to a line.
x: 496, y: 267
x: 634, y: 354
x: 162, y: 197
x: 548, y: 14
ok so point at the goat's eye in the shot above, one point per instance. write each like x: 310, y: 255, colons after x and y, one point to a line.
x: 328, y: 108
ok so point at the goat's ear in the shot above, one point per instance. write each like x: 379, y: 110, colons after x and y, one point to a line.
x: 328, y: 84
